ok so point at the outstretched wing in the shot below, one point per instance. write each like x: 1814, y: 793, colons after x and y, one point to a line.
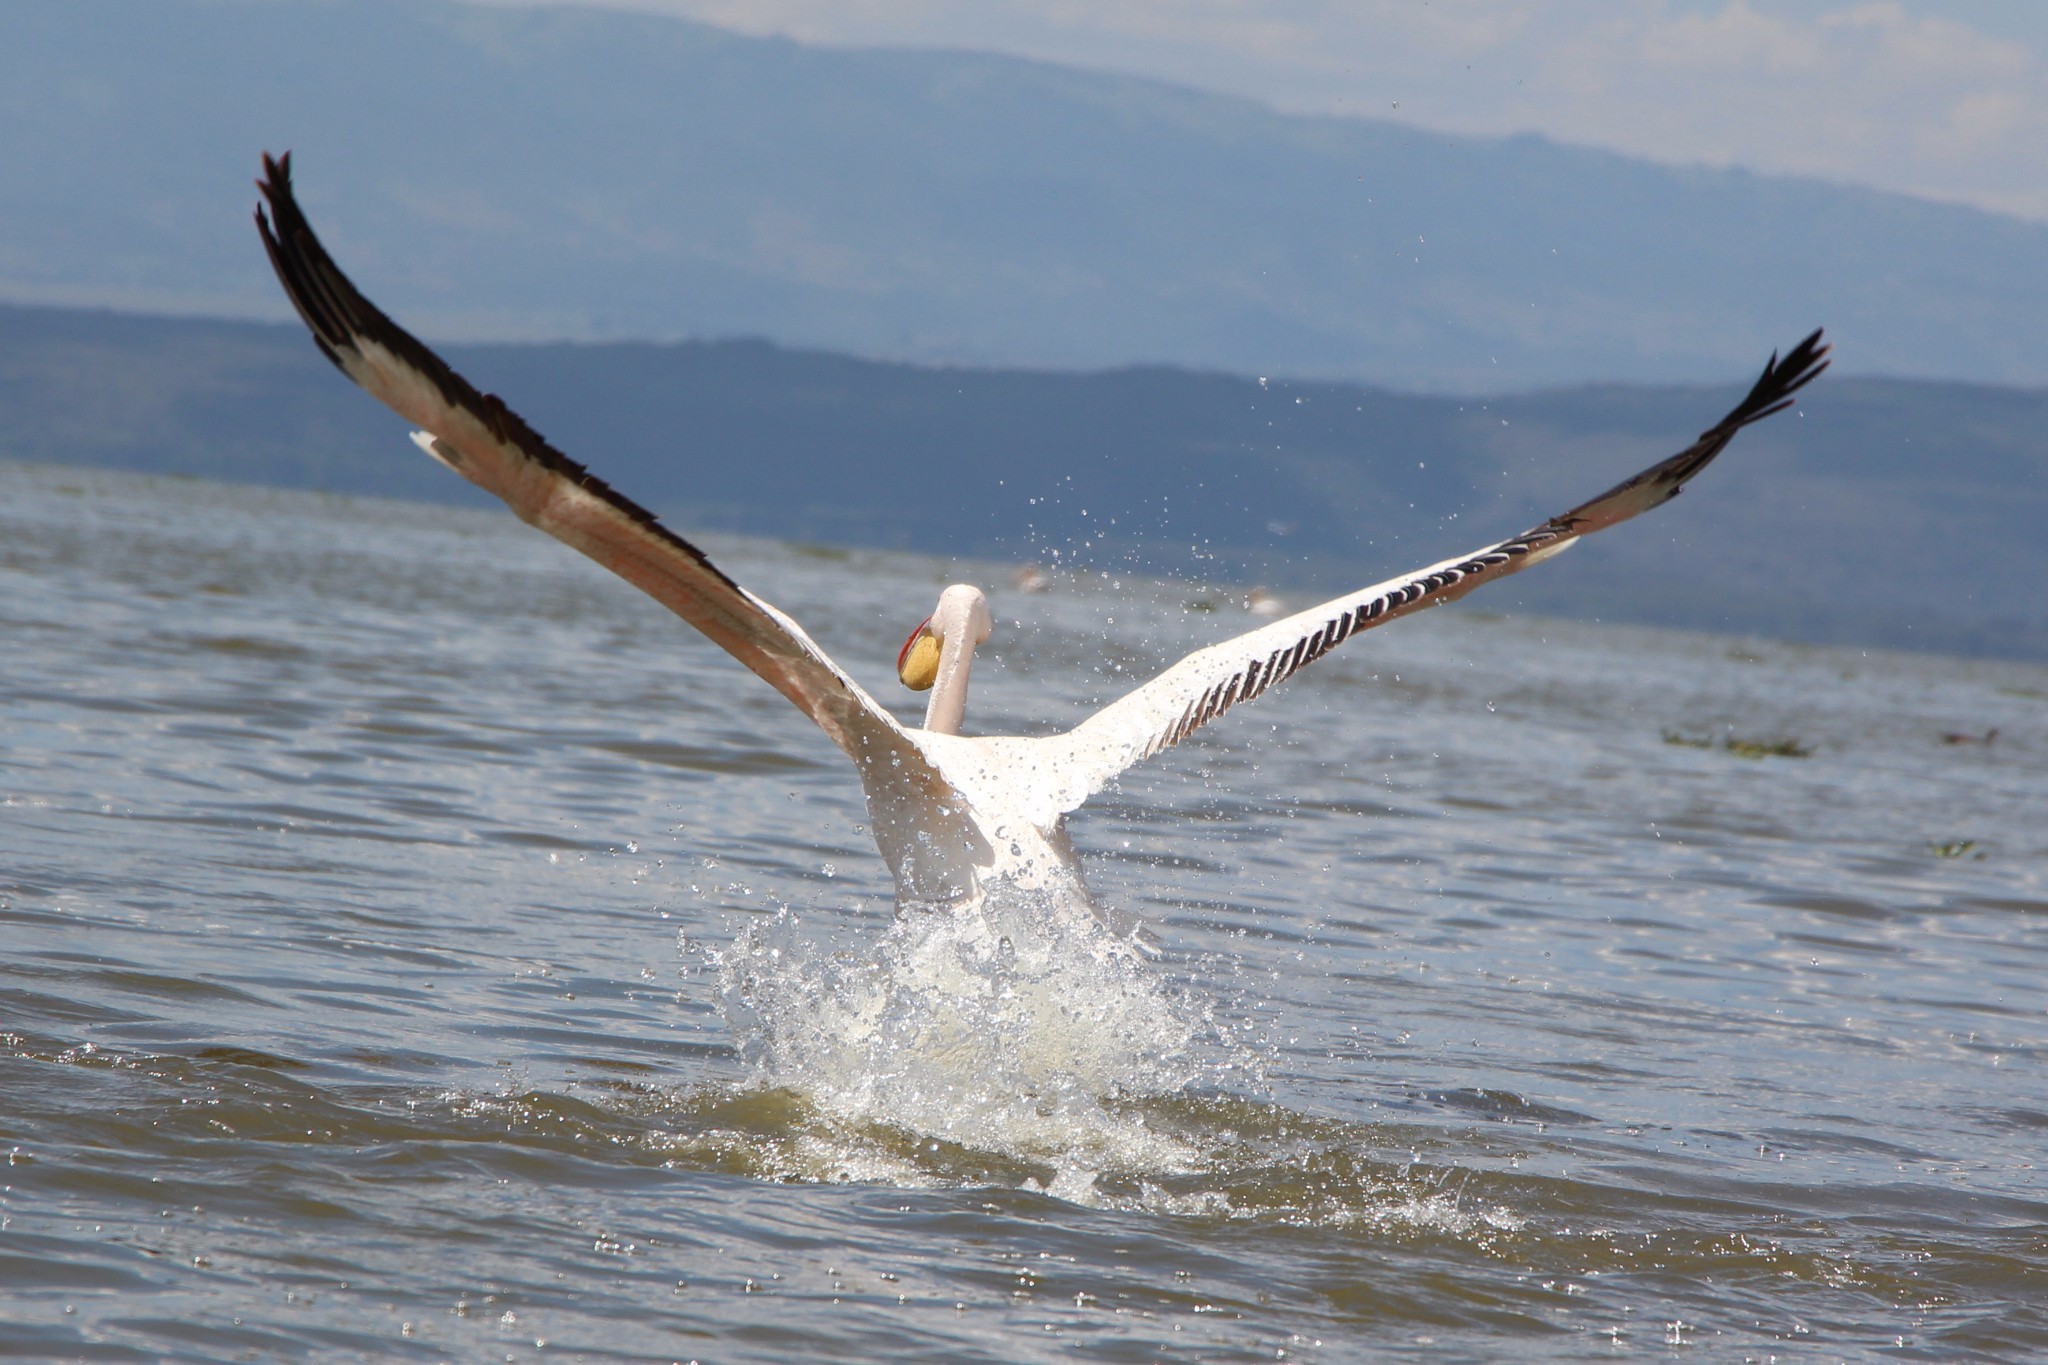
x: 484, y: 441
x: 1210, y: 681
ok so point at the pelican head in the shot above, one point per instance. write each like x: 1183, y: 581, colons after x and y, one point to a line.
x: 939, y: 653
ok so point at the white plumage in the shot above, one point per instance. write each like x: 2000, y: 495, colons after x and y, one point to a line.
x: 952, y: 814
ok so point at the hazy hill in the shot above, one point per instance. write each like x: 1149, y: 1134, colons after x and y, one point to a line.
x: 577, y: 173
x: 1883, y: 512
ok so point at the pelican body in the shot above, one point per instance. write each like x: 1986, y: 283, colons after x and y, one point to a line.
x: 954, y: 815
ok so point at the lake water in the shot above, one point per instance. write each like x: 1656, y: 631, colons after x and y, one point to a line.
x: 415, y: 945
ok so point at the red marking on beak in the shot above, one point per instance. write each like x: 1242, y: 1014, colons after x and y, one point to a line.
x: 904, y: 653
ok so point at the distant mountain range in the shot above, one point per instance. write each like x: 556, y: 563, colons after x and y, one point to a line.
x: 1882, y: 512
x: 576, y: 173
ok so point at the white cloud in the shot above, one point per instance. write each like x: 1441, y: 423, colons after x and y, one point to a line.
x: 1869, y: 93
x: 1903, y: 96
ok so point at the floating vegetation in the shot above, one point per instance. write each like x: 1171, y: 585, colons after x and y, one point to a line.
x: 831, y: 554
x: 1956, y: 848
x: 1742, y: 748
x: 1766, y: 748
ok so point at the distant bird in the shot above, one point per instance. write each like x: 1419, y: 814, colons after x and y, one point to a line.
x: 1260, y: 602
x: 954, y: 815
x: 1958, y: 737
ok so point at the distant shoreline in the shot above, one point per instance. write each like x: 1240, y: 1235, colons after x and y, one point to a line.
x: 1863, y: 519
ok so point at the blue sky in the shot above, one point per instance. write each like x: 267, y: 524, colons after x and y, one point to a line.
x: 1947, y: 100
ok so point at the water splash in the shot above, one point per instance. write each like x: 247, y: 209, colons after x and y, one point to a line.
x: 1021, y: 1025
x: 1023, y: 1042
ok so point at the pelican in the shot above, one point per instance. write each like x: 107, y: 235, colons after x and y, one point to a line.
x: 955, y: 815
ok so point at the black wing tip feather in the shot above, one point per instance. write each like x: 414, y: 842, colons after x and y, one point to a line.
x: 1772, y: 393
x: 276, y: 183
x: 336, y: 313
x: 1781, y: 379
x: 286, y: 243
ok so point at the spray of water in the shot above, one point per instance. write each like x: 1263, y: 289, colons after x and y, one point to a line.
x: 1021, y: 1025
x: 1023, y: 1041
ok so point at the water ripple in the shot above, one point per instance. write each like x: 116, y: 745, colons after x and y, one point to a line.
x: 414, y: 946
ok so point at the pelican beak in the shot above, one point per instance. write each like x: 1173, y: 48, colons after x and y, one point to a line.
x: 918, y: 662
